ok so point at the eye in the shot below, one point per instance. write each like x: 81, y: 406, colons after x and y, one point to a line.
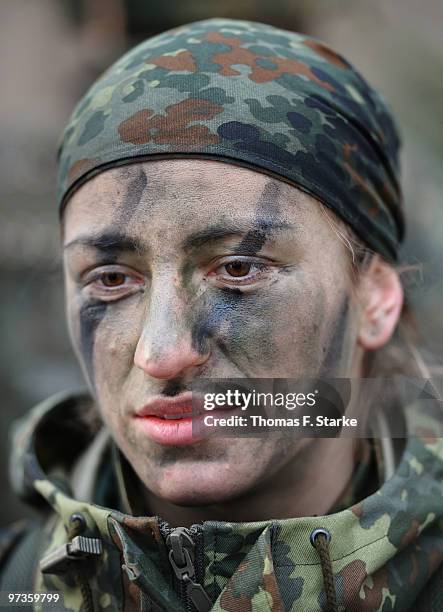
x: 238, y: 268
x: 113, y: 279
x: 112, y: 282
x: 241, y: 271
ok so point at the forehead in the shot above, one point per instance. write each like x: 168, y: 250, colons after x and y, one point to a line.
x: 182, y: 195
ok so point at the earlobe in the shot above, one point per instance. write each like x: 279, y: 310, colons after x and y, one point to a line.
x: 381, y: 299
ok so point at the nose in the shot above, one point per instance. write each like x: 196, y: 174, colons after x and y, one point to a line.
x: 166, y: 348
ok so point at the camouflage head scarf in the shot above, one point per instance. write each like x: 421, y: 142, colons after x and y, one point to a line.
x: 246, y: 93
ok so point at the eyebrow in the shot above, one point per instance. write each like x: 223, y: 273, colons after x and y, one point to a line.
x: 108, y: 241
x: 112, y: 241
x: 218, y: 232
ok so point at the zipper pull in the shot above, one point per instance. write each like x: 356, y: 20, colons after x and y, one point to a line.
x: 181, y: 557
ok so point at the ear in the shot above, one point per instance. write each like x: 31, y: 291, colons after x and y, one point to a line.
x: 381, y: 299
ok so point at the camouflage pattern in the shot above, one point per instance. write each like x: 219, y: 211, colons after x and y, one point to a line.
x: 250, y: 94
x: 384, y: 548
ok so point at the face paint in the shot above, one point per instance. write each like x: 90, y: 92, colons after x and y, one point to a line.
x: 221, y: 313
x: 93, y: 311
x: 252, y: 242
x: 214, y: 314
x: 91, y: 314
x: 334, y: 352
x: 187, y: 223
x: 173, y: 387
x: 267, y: 208
x: 136, y: 186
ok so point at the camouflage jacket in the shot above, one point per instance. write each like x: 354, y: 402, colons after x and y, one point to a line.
x: 384, y: 549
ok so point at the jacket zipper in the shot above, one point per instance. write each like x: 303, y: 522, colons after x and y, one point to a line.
x: 183, y: 556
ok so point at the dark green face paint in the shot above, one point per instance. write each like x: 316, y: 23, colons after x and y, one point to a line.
x: 91, y: 314
x: 135, y: 188
x: 335, y: 347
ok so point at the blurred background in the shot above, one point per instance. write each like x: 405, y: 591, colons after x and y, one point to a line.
x: 52, y: 50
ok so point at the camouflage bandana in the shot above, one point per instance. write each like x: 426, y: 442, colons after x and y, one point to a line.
x: 250, y: 94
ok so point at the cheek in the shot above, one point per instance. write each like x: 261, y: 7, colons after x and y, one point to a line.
x: 84, y: 319
x: 284, y: 334
x: 116, y: 341
x: 105, y: 336
x: 271, y: 333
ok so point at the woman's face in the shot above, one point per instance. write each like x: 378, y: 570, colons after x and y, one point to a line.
x: 180, y: 270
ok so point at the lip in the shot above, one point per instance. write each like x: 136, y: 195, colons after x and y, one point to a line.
x: 156, y: 419
x: 168, y: 407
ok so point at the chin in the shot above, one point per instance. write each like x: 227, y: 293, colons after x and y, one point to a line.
x: 192, y: 494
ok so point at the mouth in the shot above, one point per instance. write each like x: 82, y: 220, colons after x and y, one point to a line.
x: 171, y: 421
x: 172, y: 408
